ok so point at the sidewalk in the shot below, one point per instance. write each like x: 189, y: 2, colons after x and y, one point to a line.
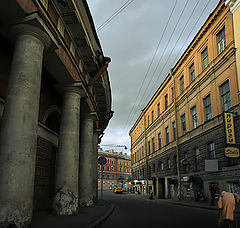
x: 192, y: 203
x: 88, y: 217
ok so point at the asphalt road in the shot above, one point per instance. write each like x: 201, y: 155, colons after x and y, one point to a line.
x: 137, y: 211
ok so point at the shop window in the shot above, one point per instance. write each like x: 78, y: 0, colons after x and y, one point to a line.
x: 221, y: 41
x: 153, y: 167
x: 168, y: 163
x: 175, y: 164
x: 160, y: 166
x: 211, y: 151
x: 197, y: 159
x: 225, y: 96
x: 185, y: 157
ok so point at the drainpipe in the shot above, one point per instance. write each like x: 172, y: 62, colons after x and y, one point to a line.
x: 146, y: 156
x: 177, y: 142
x: 107, y: 60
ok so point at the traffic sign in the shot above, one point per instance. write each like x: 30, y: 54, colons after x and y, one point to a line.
x: 185, y: 162
x: 102, y: 160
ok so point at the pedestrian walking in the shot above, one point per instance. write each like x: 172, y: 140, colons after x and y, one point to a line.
x: 212, y: 190
x: 151, y: 195
x: 226, y: 205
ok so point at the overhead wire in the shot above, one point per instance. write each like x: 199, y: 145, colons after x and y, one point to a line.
x: 187, y: 37
x: 107, y: 21
x: 177, y: 56
x: 179, y: 19
x: 168, y: 42
x: 162, y: 70
x: 151, y: 62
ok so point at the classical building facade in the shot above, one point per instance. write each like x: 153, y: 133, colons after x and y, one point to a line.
x: 181, y: 143
x: 235, y: 10
x: 116, y: 172
x: 55, y: 103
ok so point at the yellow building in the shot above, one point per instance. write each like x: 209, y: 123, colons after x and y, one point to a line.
x: 235, y: 10
x: 182, y: 137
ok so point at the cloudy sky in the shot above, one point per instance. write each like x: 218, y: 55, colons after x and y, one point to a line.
x: 144, y: 39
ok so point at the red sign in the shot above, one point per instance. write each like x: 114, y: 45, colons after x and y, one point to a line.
x: 185, y: 162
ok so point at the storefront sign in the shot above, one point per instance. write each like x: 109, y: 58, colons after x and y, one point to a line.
x: 229, y: 128
x: 185, y: 178
x: 232, y: 152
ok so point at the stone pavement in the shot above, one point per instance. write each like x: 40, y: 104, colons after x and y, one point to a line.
x: 88, y: 217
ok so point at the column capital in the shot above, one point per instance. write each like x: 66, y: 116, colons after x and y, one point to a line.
x: 73, y: 87
x: 91, y: 115
x: 26, y: 29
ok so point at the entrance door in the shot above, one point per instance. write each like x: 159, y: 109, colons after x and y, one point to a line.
x: 161, y: 186
x: 44, y: 174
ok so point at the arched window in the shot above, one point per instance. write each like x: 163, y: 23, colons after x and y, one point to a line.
x: 53, y: 121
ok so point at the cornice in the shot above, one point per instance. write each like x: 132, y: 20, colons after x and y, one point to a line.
x: 233, y: 4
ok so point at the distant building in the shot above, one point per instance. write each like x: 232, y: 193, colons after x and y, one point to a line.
x: 117, y: 170
x: 182, y: 132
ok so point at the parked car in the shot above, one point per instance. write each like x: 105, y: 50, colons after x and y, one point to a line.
x: 118, y: 191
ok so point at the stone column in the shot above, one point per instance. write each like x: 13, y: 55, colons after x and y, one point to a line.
x: 95, y: 163
x: 87, y: 156
x: 66, y: 188
x: 18, y: 139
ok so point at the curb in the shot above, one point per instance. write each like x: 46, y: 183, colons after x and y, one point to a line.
x: 190, y: 205
x: 103, y: 218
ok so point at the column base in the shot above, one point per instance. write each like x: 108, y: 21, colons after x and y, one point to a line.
x: 65, y: 202
x: 14, y: 221
x: 86, y: 202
